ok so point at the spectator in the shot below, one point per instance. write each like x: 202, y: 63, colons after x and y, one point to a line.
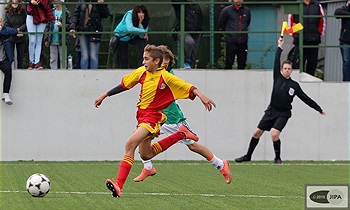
x: 15, y: 17
x: 54, y: 41
x: 193, y: 22
x: 77, y: 54
x: 6, y: 58
x: 236, y: 18
x: 135, y: 20
x: 314, y: 27
x: 88, y: 18
x: 345, y: 38
x: 39, y: 13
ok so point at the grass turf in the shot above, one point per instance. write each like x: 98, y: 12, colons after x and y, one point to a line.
x: 177, y: 185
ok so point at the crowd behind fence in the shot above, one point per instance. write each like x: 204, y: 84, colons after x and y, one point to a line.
x: 211, y: 46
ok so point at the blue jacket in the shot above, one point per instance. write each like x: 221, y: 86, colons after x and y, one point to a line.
x: 126, y: 25
x: 5, y: 33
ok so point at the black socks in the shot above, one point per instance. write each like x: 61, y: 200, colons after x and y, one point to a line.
x: 252, y: 145
x: 277, y: 147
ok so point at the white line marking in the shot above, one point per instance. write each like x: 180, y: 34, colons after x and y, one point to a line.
x: 161, y: 194
x: 190, y: 164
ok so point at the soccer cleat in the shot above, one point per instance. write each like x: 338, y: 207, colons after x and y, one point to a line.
x: 244, y: 158
x: 144, y: 174
x: 188, y: 133
x: 6, y: 98
x: 277, y: 161
x: 226, y: 172
x: 114, y: 187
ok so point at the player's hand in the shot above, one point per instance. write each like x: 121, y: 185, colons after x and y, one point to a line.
x: 98, y: 101
x: 208, y: 103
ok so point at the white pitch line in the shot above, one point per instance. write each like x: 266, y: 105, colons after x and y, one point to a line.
x: 190, y: 164
x: 163, y: 194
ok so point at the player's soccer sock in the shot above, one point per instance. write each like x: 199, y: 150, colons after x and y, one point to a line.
x: 216, y: 162
x: 124, y: 170
x: 277, y: 147
x: 147, y: 164
x: 164, y: 144
x: 252, y: 145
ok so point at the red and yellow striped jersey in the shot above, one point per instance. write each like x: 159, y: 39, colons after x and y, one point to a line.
x: 158, y: 89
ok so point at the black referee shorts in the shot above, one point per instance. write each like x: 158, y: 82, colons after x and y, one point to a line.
x: 274, y: 119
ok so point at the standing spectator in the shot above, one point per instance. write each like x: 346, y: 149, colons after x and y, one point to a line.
x: 193, y: 22
x: 54, y: 41
x: 345, y: 38
x: 279, y: 110
x: 88, y: 18
x: 314, y: 27
x: 6, y: 58
x: 236, y: 18
x: 15, y: 17
x: 39, y: 13
x: 77, y: 54
x: 135, y: 20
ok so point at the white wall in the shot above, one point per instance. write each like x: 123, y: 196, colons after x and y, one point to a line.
x: 53, y: 117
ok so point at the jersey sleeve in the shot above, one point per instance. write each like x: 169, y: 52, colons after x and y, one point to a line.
x: 307, y: 100
x: 179, y: 88
x: 132, y: 79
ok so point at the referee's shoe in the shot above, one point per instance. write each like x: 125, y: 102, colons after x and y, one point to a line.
x: 244, y: 158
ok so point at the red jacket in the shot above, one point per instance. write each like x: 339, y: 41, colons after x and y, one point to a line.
x: 42, y: 13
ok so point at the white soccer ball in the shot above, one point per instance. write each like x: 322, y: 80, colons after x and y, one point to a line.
x: 38, y: 185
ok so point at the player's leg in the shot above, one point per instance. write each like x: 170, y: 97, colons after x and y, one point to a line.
x: 218, y: 163
x: 163, y: 144
x: 125, y: 165
x: 148, y: 168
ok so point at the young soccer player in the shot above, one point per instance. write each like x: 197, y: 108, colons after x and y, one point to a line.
x: 159, y: 89
x: 279, y: 111
x: 175, y: 119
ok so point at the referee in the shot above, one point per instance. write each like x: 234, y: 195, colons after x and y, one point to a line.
x: 279, y: 110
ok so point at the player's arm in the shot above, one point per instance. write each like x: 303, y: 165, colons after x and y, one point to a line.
x: 207, y: 102
x: 113, y: 91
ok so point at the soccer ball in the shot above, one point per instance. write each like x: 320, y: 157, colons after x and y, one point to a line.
x: 38, y: 185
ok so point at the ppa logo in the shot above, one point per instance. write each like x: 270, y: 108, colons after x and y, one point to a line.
x: 334, y: 197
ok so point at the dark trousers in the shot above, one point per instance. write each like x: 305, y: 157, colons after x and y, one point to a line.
x: 22, y: 48
x: 5, y: 67
x: 310, y: 60
x: 233, y: 50
x: 191, y: 47
x: 123, y: 51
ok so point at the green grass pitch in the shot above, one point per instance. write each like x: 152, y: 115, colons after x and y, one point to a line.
x: 177, y: 185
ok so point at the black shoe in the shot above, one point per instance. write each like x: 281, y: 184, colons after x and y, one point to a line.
x: 244, y: 158
x: 277, y: 161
